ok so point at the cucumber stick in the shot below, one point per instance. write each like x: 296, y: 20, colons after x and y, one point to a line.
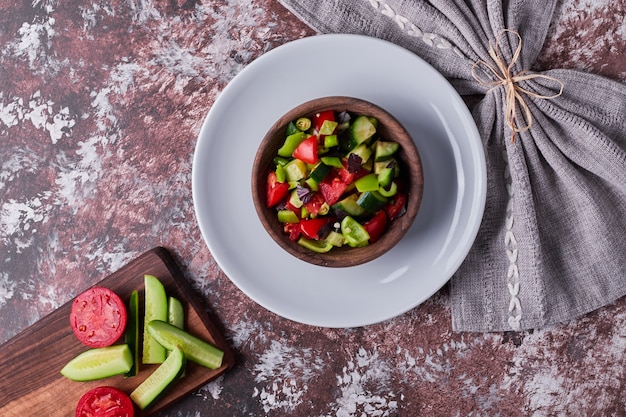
x: 132, y: 332
x: 99, y: 363
x: 195, y: 349
x: 158, y: 381
x: 155, y: 309
x: 175, y: 312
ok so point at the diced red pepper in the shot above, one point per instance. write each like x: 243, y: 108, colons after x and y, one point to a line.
x: 396, y: 207
x: 276, y: 191
x: 314, y: 205
x: 307, y: 150
x: 318, y: 118
x: 376, y: 225
x: 311, y: 227
x: 332, y: 188
x: 293, y: 230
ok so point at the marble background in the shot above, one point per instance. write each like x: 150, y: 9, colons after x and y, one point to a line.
x: 101, y: 103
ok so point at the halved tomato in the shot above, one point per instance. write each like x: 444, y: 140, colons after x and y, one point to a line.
x: 98, y: 317
x: 105, y: 402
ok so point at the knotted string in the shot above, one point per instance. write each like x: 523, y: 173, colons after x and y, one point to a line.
x: 514, y: 92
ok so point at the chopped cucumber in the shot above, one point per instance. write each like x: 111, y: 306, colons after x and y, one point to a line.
x: 150, y: 389
x: 295, y: 170
x: 361, y: 130
x: 319, y: 172
x: 372, y: 201
x: 156, y: 309
x: 99, y: 363
x: 195, y: 349
x: 335, y: 239
x: 363, y: 151
x: 132, y: 332
x: 348, y: 205
x: 384, y: 150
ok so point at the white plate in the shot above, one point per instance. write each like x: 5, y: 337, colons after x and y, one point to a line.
x: 454, y: 180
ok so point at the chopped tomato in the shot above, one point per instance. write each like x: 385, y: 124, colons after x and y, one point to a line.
x: 396, y: 207
x: 98, y: 317
x: 307, y: 150
x: 314, y: 205
x: 276, y: 191
x: 311, y: 227
x: 332, y: 188
x: 376, y: 225
x: 293, y: 230
x: 319, y: 118
x: 105, y: 402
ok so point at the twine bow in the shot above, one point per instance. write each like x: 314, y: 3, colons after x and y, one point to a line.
x: 514, y: 92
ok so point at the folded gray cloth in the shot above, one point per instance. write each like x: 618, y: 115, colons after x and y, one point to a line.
x: 552, y: 243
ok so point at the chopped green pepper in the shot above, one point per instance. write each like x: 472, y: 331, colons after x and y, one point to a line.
x: 367, y: 183
x: 303, y: 124
x: 291, y: 143
x: 354, y: 233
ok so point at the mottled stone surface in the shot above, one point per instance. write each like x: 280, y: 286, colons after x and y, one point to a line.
x: 100, y: 106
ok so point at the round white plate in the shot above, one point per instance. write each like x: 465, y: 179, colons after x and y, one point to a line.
x: 454, y: 180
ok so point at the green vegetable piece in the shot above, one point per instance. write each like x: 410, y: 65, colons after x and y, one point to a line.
x: 194, y: 348
x: 319, y: 171
x: 282, y: 161
x: 335, y: 239
x: 384, y: 150
x: 303, y: 124
x: 385, y: 176
x: 294, y: 199
x: 319, y: 246
x: 361, y: 130
x: 132, y: 332
x: 367, y: 183
x: 159, y: 380
x: 363, y: 151
x: 333, y: 161
x: 330, y: 141
x: 156, y: 309
x: 291, y: 129
x: 313, y: 185
x: 354, y: 233
x: 175, y: 313
x: 391, y: 163
x: 328, y: 127
x: 291, y: 143
x: 287, y: 216
x: 393, y: 190
x: 281, y: 176
x: 99, y: 363
x: 295, y: 170
x: 349, y: 205
x: 372, y: 201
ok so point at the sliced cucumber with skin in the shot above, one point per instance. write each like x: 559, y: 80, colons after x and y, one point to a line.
x: 194, y: 348
x: 132, y: 332
x: 361, y: 130
x: 158, y: 381
x: 384, y: 150
x: 175, y: 312
x: 156, y: 309
x: 99, y: 363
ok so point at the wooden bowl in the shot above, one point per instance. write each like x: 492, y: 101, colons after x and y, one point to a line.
x: 388, y: 129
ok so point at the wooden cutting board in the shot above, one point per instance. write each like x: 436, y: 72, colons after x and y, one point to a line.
x: 30, y: 382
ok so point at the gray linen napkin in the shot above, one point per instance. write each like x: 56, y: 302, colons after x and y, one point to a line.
x: 552, y: 243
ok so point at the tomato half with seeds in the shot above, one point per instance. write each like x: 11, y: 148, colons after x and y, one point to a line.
x: 98, y: 317
x: 105, y: 402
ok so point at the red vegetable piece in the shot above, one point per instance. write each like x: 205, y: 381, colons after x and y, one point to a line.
x: 332, y: 188
x: 98, y: 317
x: 319, y: 118
x: 276, y: 191
x: 293, y: 230
x: 314, y: 205
x: 376, y: 225
x: 311, y: 227
x: 396, y: 207
x: 105, y: 402
x: 307, y: 150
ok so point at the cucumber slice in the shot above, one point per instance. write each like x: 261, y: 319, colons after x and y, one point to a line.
x: 361, y: 130
x: 195, y: 349
x: 132, y: 332
x: 384, y: 150
x: 158, y: 381
x: 348, y: 205
x: 175, y: 313
x: 372, y: 201
x: 99, y: 363
x: 156, y: 309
